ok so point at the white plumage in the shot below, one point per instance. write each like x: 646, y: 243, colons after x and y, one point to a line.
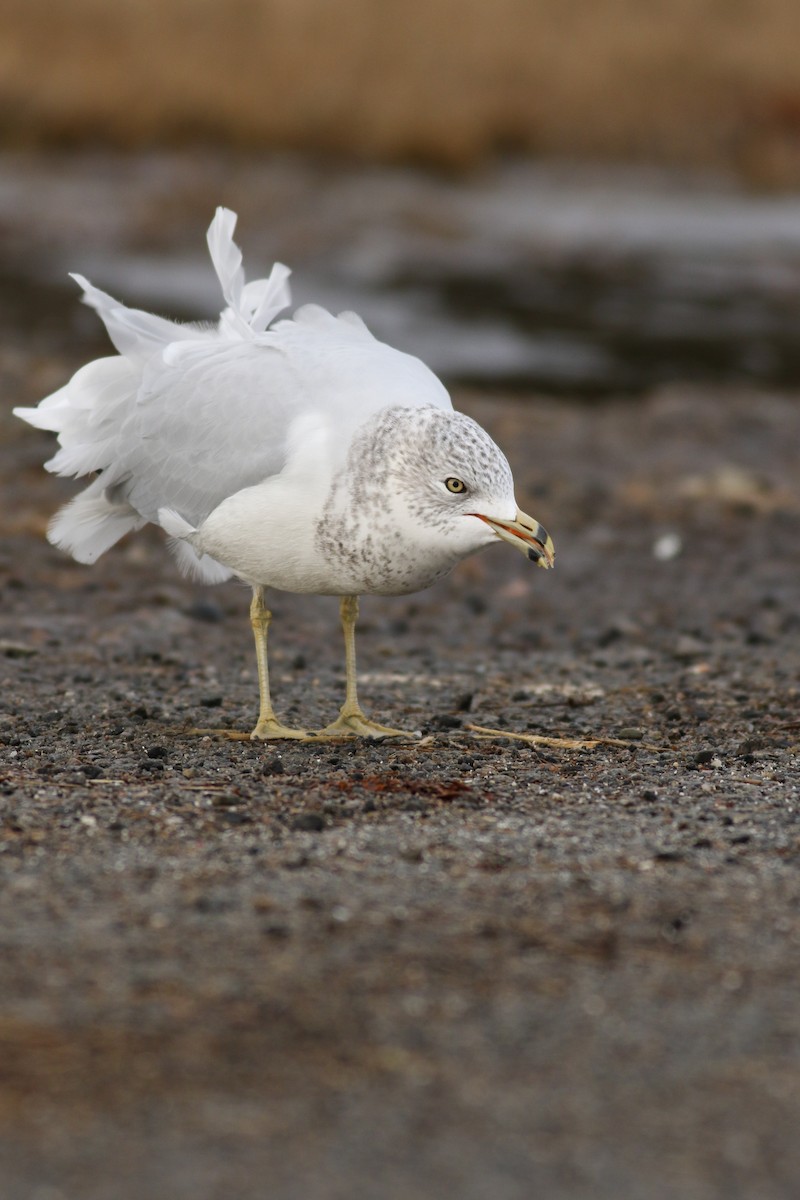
x: 301, y: 454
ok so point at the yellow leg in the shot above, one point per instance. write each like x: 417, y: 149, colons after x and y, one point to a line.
x: 268, y: 725
x: 351, y: 721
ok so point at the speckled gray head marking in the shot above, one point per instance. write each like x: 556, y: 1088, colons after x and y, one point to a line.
x: 390, y: 496
x: 447, y: 444
x: 414, y: 446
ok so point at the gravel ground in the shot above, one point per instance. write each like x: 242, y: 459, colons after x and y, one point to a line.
x: 466, y: 967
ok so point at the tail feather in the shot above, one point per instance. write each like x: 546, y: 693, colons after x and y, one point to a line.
x: 91, y: 524
x: 86, y: 414
x: 89, y: 414
x: 136, y: 334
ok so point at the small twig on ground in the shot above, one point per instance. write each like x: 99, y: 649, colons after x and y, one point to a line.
x: 537, y: 739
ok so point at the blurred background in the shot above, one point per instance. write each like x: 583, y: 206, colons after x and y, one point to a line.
x: 443, y: 81
x: 577, y: 196
x: 585, y: 215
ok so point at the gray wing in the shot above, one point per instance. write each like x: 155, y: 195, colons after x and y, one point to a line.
x: 204, y: 427
x: 216, y: 416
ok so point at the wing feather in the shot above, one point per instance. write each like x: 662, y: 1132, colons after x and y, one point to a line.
x: 203, y: 430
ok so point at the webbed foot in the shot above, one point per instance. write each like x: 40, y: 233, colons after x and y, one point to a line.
x: 356, y: 724
x: 269, y: 728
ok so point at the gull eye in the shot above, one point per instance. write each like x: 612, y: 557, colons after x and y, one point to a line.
x: 456, y: 486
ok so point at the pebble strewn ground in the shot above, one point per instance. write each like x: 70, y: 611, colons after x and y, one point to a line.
x: 465, y: 967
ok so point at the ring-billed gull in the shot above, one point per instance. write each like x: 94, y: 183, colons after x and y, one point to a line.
x: 300, y: 454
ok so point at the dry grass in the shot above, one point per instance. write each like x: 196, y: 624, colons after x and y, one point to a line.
x: 692, y: 81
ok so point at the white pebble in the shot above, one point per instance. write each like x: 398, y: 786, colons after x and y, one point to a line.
x: 667, y: 547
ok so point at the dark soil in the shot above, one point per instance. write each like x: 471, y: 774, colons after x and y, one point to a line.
x: 460, y: 968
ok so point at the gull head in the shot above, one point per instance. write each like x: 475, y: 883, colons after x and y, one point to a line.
x: 422, y: 489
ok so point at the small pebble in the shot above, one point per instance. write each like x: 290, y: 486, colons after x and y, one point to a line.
x: 227, y: 800
x: 17, y: 650
x: 446, y: 721
x: 309, y: 822
x: 236, y: 818
x: 205, y: 610
x: 667, y: 547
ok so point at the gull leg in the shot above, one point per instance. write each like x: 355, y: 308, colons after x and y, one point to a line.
x: 268, y: 725
x: 351, y: 721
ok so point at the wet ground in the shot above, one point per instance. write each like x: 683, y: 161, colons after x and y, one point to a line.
x: 576, y: 279
x: 468, y: 966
